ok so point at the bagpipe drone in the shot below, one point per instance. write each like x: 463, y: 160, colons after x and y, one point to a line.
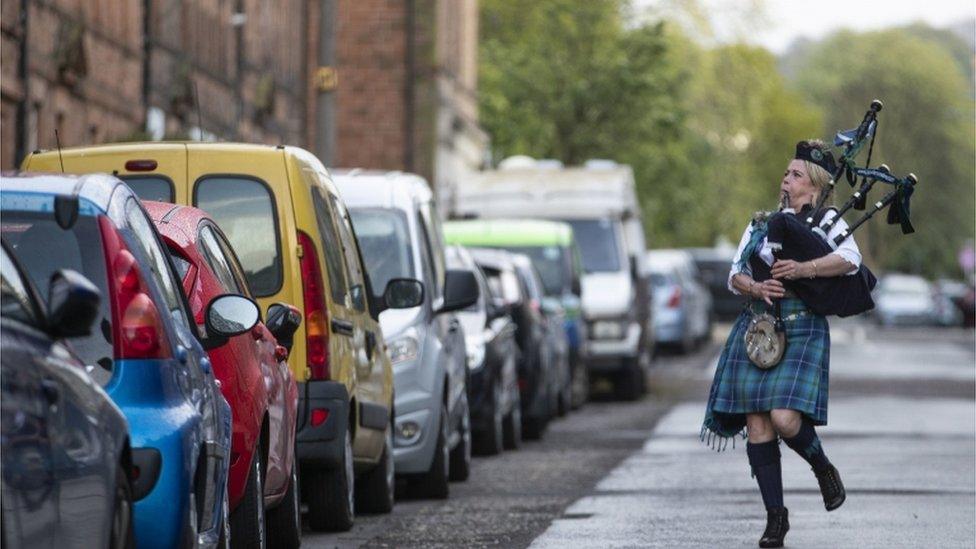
x: 792, y: 238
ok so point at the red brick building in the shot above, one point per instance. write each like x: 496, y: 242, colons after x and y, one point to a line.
x: 406, y: 96
x: 370, y: 83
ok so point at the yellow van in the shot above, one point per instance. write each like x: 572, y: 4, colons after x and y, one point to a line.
x: 282, y: 214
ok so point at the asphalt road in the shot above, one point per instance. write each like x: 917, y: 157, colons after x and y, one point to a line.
x: 635, y: 475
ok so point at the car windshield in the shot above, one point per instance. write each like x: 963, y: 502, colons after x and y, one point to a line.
x: 43, y: 248
x: 384, y: 240
x: 598, y: 244
x: 550, y: 262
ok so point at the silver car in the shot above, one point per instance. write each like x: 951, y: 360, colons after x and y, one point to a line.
x: 682, y: 304
x: 399, y: 233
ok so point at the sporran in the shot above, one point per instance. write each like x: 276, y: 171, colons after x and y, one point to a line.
x: 765, y: 340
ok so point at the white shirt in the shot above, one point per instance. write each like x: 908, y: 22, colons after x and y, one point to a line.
x: 848, y: 249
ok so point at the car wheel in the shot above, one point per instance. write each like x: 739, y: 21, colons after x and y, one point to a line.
x: 123, y: 531
x: 460, y: 467
x: 247, y: 528
x: 330, y: 493
x: 375, y: 489
x: 285, y: 521
x: 491, y: 442
x: 434, y: 483
x: 513, y: 424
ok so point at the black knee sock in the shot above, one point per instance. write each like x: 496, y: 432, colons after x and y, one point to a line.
x: 807, y: 444
x: 764, y: 459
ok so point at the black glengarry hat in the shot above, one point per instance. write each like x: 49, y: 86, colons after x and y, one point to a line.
x: 811, y: 152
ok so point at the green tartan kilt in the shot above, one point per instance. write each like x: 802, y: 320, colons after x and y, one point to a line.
x: 799, y: 382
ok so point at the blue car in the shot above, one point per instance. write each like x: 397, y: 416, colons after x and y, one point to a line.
x: 65, y: 445
x: 143, y: 351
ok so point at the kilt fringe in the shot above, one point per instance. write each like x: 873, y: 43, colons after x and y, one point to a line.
x: 711, y: 437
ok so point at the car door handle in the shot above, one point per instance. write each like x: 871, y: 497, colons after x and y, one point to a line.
x: 342, y: 327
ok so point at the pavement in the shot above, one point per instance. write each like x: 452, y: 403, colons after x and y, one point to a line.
x: 902, y: 419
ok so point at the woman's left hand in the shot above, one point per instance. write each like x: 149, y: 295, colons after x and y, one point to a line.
x: 791, y: 270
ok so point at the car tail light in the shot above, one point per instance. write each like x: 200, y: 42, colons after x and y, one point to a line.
x: 137, y: 328
x: 675, y: 300
x: 316, y: 315
x: 141, y: 165
x: 319, y: 415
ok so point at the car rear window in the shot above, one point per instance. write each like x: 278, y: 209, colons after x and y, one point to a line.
x: 244, y: 208
x: 150, y: 187
x: 43, y: 248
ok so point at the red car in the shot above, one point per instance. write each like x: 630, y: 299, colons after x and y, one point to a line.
x: 254, y: 378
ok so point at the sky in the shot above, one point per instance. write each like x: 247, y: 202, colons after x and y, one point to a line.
x: 775, y: 24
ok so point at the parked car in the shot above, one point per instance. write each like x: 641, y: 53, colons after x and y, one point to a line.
x: 714, y: 265
x: 552, y: 248
x: 253, y: 372
x: 66, y: 455
x: 556, y: 342
x: 536, y: 368
x: 280, y: 211
x: 145, y: 352
x: 682, y: 304
x: 903, y: 299
x: 950, y: 298
x: 599, y: 201
x: 493, y: 393
x: 399, y: 229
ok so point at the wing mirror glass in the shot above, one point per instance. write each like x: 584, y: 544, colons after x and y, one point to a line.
x: 72, y: 304
x: 230, y: 315
x: 403, y: 293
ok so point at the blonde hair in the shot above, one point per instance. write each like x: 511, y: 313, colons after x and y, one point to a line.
x: 819, y: 176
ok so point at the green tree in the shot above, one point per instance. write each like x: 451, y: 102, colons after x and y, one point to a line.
x: 703, y: 129
x: 926, y: 127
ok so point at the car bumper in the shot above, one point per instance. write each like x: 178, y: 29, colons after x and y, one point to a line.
x: 610, y: 355
x: 322, y: 445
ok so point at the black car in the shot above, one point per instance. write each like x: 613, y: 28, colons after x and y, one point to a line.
x: 493, y: 390
x: 65, y: 445
x: 714, y: 265
x: 523, y: 300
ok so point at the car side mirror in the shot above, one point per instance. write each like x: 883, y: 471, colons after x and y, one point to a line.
x: 460, y: 290
x: 282, y: 321
x: 72, y: 304
x: 227, y: 316
x: 402, y: 293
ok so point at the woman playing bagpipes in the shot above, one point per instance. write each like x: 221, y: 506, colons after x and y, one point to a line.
x: 771, y: 380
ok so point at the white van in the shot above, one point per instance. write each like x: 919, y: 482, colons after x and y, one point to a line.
x: 599, y: 200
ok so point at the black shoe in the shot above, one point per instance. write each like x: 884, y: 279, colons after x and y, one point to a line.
x: 777, y: 525
x: 831, y: 488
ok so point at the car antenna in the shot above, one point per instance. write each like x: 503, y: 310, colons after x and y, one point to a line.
x: 65, y: 207
x: 57, y: 141
x: 196, y: 98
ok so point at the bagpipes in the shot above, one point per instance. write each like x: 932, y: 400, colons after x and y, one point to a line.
x: 794, y: 239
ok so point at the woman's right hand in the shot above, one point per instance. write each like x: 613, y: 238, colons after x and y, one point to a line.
x: 768, y: 290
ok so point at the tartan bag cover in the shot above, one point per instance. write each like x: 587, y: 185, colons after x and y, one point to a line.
x: 799, y: 382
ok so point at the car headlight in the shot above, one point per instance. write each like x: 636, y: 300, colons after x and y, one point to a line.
x: 609, y: 329
x: 403, y: 348
x: 476, y: 353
